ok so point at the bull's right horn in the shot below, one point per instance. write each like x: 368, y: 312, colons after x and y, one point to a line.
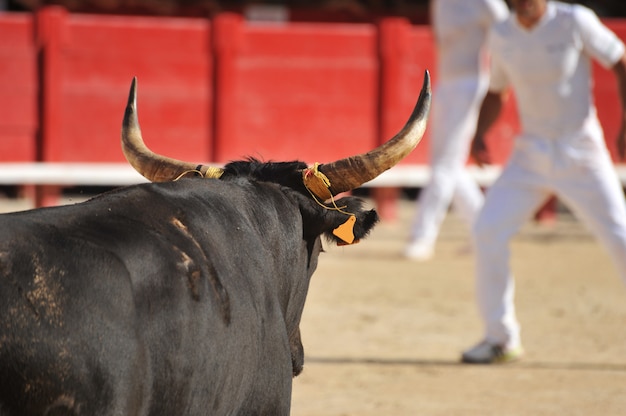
x: 350, y: 173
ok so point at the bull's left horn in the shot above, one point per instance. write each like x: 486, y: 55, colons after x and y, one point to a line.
x: 152, y: 166
x: 350, y: 173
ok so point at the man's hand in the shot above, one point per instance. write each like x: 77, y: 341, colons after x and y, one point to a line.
x: 489, y: 111
x: 479, y: 151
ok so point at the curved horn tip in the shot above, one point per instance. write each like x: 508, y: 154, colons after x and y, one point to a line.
x: 426, y: 82
x: 132, y: 94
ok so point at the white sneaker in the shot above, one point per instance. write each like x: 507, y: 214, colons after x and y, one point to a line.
x: 419, y: 251
x: 486, y: 353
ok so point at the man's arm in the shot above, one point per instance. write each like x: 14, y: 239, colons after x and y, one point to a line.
x: 489, y: 112
x: 619, y: 69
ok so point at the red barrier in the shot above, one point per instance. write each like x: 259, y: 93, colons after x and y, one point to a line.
x: 88, y: 65
x: 18, y: 89
x: 404, y: 55
x: 301, y: 91
x: 218, y: 90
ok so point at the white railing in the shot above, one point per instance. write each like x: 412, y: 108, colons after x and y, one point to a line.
x: 120, y: 174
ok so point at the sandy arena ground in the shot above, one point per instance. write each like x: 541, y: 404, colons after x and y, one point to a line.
x: 382, y: 335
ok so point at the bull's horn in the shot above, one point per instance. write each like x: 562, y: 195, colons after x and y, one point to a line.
x: 155, y: 168
x: 352, y: 172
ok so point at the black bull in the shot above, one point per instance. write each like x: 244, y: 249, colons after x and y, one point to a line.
x: 175, y: 298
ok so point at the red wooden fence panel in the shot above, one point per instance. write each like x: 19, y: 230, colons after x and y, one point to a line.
x: 18, y: 89
x: 89, y: 63
x: 415, y: 54
x: 299, y: 91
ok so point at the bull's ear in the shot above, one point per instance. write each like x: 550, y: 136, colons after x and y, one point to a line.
x: 344, y: 217
x: 345, y: 232
x: 355, y: 227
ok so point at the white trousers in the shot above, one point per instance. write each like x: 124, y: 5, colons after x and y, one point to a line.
x: 579, y: 171
x: 454, y: 114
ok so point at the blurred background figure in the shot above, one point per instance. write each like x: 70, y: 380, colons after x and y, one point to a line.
x: 544, y: 52
x: 460, y: 28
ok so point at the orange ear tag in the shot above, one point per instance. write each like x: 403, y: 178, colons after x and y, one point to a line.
x: 345, y: 230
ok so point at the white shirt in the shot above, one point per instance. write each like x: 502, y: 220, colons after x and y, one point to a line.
x: 460, y: 28
x: 549, y: 67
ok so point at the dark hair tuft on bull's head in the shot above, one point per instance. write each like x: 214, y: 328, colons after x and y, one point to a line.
x: 284, y: 173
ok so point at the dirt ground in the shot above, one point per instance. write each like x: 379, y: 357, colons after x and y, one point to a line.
x: 382, y: 335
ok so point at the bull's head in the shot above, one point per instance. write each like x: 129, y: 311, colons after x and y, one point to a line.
x: 340, y: 176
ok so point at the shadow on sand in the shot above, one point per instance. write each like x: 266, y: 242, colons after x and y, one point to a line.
x: 532, y: 365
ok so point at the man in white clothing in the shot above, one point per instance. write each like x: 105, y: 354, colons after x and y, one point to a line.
x: 544, y: 51
x: 460, y: 28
